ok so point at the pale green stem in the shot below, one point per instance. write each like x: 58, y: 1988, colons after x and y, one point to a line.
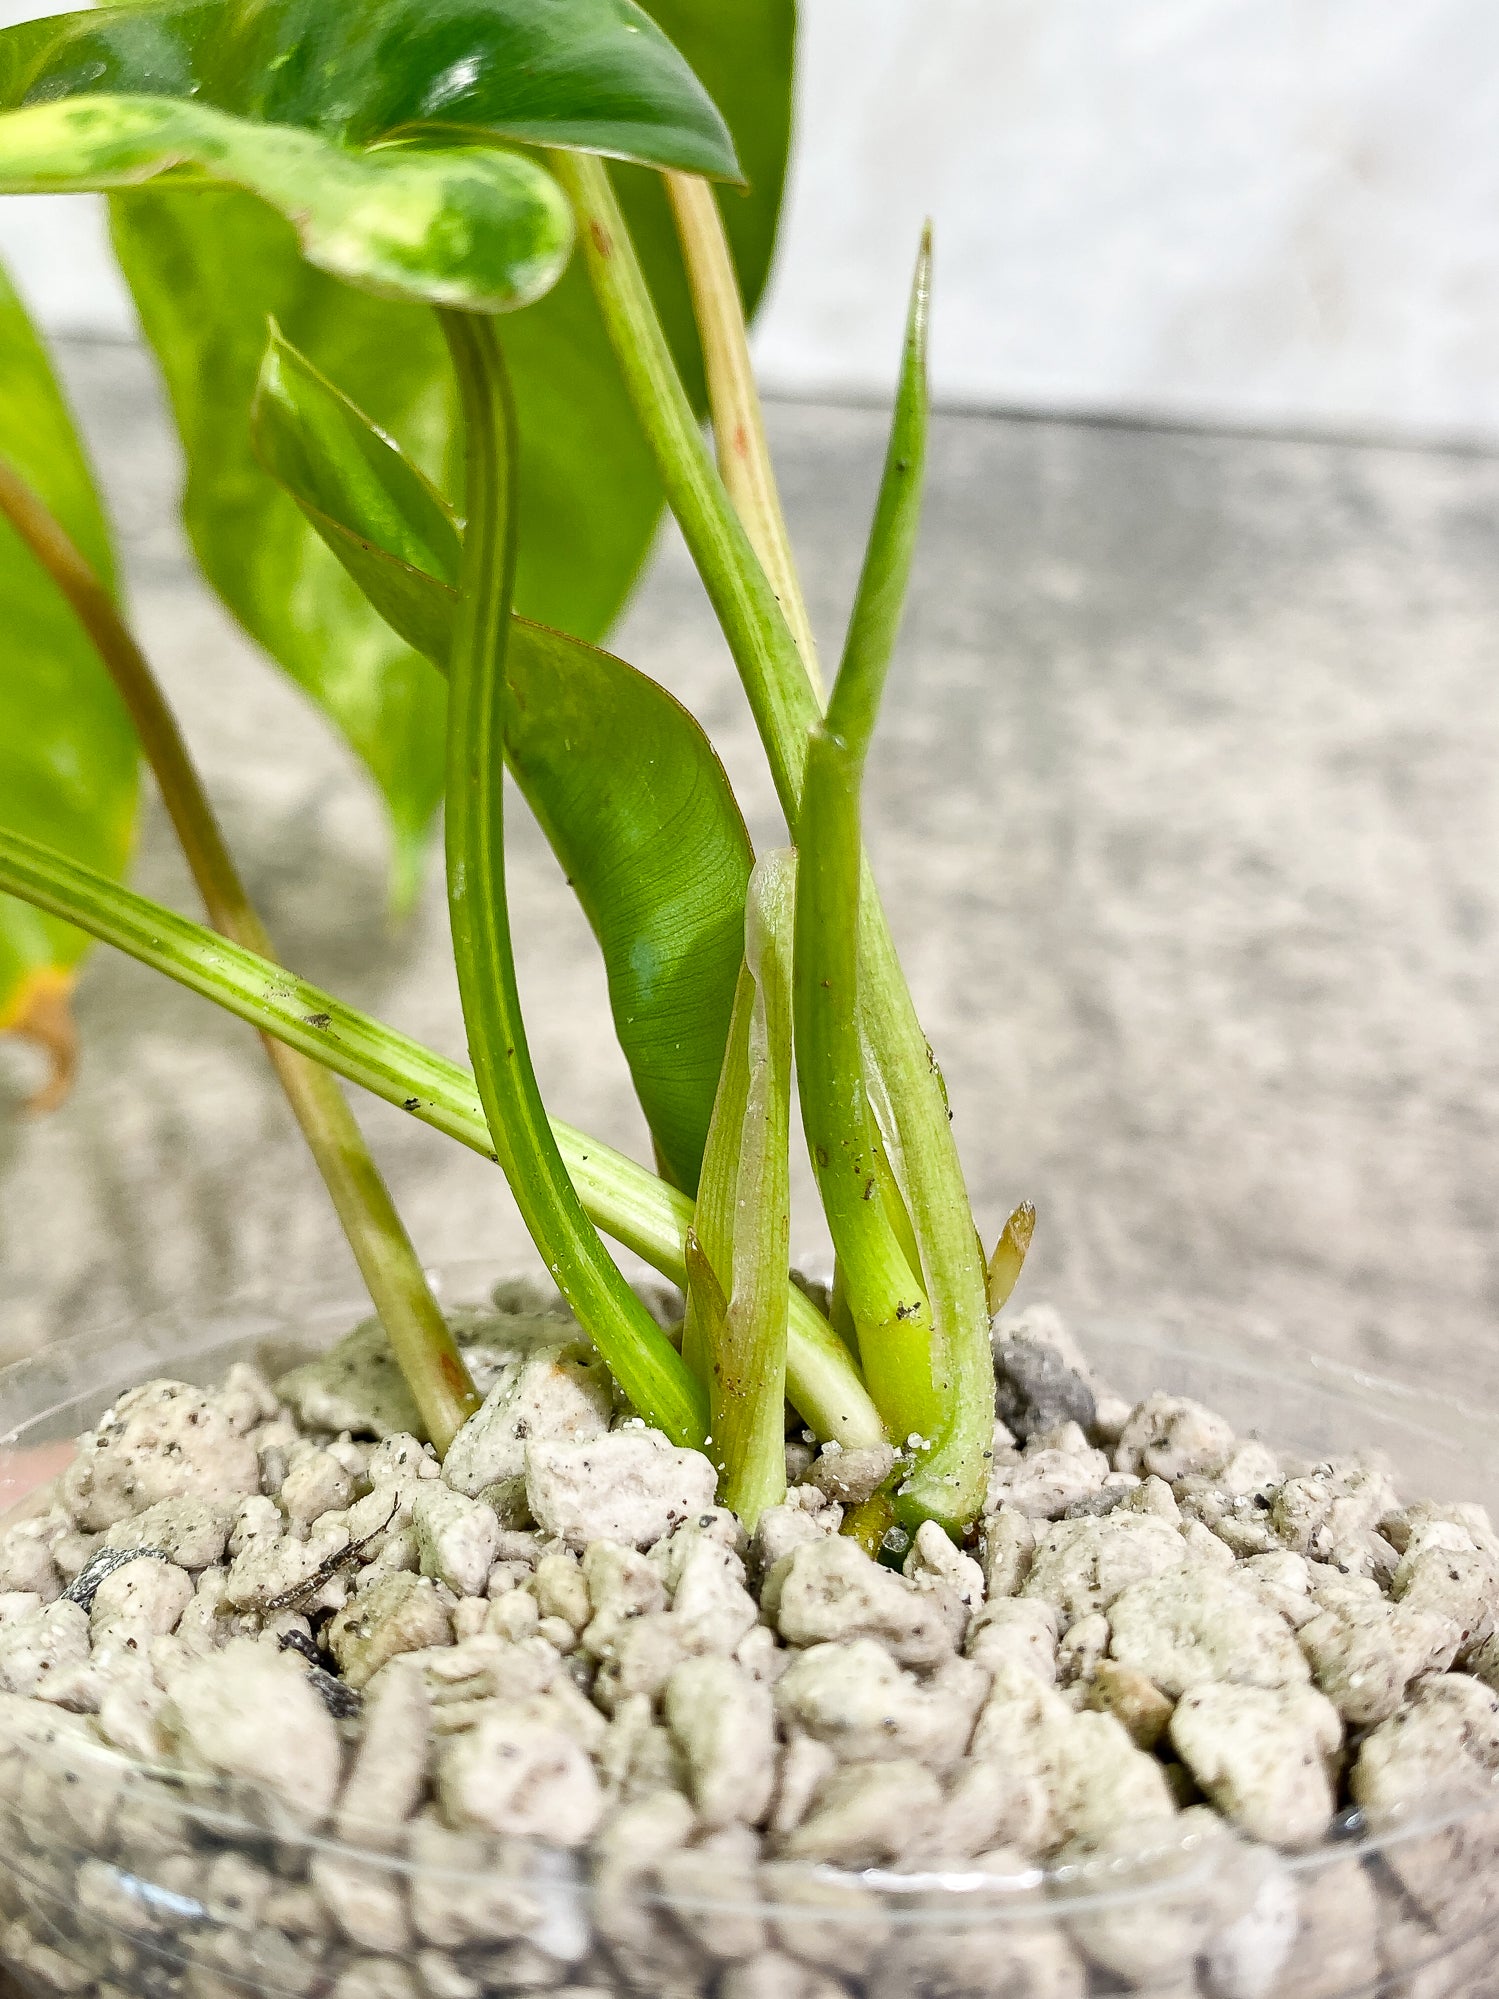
x: 623, y: 1198
x: 774, y: 674
x: 638, y: 1354
x: 744, y: 461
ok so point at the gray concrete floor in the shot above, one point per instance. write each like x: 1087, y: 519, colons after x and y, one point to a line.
x: 1187, y: 810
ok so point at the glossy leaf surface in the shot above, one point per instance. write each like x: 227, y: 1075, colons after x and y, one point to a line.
x: 658, y: 855
x: 595, y: 74
x: 67, y: 752
x: 206, y: 269
x: 483, y: 230
x: 652, y: 841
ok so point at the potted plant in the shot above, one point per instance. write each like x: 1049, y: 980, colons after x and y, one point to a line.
x: 800, y: 1639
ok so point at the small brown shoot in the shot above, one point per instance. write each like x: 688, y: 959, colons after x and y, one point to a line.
x: 1009, y: 1256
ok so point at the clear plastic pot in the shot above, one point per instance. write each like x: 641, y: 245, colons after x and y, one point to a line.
x: 120, y: 1880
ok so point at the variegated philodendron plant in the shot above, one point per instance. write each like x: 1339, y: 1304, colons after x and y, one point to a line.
x: 435, y: 365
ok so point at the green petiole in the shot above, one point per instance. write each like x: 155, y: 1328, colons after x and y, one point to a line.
x: 638, y: 1354
x: 639, y: 1211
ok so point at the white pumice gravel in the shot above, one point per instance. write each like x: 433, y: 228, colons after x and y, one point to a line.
x: 1163, y: 1639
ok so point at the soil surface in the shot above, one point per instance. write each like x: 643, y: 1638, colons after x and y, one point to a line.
x: 1164, y: 1640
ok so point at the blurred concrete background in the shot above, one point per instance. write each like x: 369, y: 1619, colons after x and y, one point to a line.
x: 1187, y: 809
x: 1187, y: 798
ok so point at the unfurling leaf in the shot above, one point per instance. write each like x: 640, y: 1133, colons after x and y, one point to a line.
x: 67, y: 751
x: 738, y: 1291
x: 653, y: 843
x: 880, y: 1275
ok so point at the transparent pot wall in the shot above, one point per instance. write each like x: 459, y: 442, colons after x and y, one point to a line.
x: 118, y: 1880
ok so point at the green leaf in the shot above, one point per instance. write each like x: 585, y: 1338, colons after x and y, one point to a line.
x: 207, y: 269
x: 384, y: 521
x: 653, y: 843
x: 882, y: 1280
x: 658, y: 855
x: 594, y: 74
x: 67, y: 752
x: 481, y: 230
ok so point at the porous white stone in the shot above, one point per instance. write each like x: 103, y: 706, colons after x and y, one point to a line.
x: 388, y: 1775
x: 1317, y: 1511
x: 1445, y: 1744
x: 868, y: 1815
x: 1015, y: 1630
x: 632, y: 1485
x: 141, y: 1601
x: 457, y: 1538
x: 42, y: 1646
x: 713, y: 1893
x: 1263, y: 1756
x: 163, y: 1440
x: 954, y: 1580
x: 316, y: 1483
x: 403, y: 1613
x: 1192, y: 1625
x: 27, y: 1566
x: 723, y: 1722
x: 509, y: 1775
x: 271, y: 1566
x: 1080, y: 1566
x: 190, y: 1532
x: 622, y: 1585
x: 1069, y: 1774
x: 557, y: 1396
x: 1443, y: 1577
x: 709, y: 1597
x: 251, y: 1712
x: 832, y: 1590
x: 1044, y: 1482
x: 1007, y: 1542
x: 1172, y: 1437
x: 851, y: 1477
x: 857, y: 1700
x: 1364, y: 1652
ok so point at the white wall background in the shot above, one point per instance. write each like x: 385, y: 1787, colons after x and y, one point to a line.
x: 1275, y: 211
x: 1271, y: 212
